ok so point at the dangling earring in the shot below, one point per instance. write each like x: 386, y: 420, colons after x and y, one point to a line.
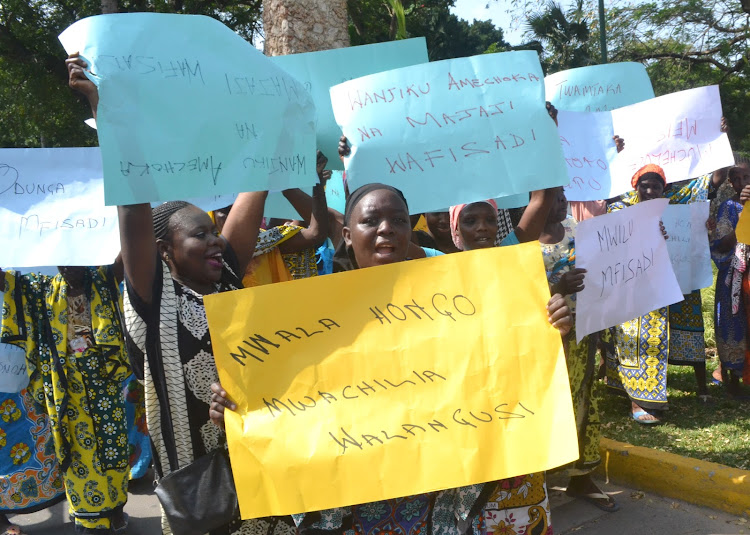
x: 166, y: 258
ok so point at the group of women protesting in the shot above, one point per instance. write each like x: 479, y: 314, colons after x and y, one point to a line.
x: 74, y: 429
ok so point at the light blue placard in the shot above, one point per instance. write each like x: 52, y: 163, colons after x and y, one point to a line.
x: 599, y: 87
x: 278, y: 206
x: 452, y: 131
x: 335, y: 196
x: 513, y: 201
x: 189, y: 109
x: 318, y: 71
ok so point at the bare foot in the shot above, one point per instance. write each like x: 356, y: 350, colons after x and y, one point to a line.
x: 717, y: 374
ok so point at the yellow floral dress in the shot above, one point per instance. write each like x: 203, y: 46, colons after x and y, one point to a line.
x: 269, y: 265
x: 76, y: 361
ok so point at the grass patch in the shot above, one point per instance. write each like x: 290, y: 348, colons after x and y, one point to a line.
x: 707, y: 296
x: 719, y: 432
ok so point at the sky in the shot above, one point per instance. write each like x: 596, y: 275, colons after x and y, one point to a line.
x: 496, y: 11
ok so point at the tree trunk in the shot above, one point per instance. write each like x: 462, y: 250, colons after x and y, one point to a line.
x: 109, y: 6
x: 294, y: 26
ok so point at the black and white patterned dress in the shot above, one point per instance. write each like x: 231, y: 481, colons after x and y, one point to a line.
x: 170, y: 351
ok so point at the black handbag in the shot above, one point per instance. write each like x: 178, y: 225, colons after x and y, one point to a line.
x: 201, y: 496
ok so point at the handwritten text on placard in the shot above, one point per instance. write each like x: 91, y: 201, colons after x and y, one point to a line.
x: 13, y: 374
x: 682, y: 136
x: 368, y: 379
x: 51, y: 203
x: 599, y: 87
x: 188, y: 108
x: 320, y: 70
x: 629, y: 272
x: 451, y: 131
x: 688, y: 244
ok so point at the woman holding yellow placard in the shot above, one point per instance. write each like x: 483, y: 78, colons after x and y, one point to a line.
x: 474, y: 226
x: 377, y: 231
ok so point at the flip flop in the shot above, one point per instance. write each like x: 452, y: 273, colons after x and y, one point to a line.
x: 715, y: 381
x: 595, y: 499
x: 637, y: 415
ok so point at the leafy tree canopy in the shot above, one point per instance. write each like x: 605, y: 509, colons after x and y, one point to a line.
x: 682, y: 43
x: 36, y: 106
x: 447, y: 36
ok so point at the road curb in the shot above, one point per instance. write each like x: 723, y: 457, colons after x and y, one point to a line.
x: 691, y: 480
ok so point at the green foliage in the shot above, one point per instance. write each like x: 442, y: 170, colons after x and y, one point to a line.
x: 707, y: 308
x: 683, y: 43
x: 563, y: 37
x: 718, y: 432
x: 399, y: 16
x: 36, y: 106
x: 686, y: 44
x: 447, y: 36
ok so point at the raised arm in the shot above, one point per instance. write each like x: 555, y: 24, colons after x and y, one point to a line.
x: 317, y: 216
x: 78, y: 81
x: 137, y: 259
x: 313, y: 209
x: 532, y: 221
x: 138, y: 248
x: 243, y: 225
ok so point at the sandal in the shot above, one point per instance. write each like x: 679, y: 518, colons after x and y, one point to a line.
x: 122, y: 528
x: 603, y: 501
x: 637, y: 415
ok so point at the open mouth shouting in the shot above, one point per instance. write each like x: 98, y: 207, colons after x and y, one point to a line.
x: 215, y: 260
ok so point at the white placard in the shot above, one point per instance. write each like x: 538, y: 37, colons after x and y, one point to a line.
x: 681, y: 132
x: 629, y: 272
x: 688, y: 244
x: 52, y: 209
x: 13, y: 376
x: 588, y: 147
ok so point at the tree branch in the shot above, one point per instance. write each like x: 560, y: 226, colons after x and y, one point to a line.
x: 691, y: 57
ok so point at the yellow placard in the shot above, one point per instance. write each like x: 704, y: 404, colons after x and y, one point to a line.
x: 743, y: 228
x: 392, y: 381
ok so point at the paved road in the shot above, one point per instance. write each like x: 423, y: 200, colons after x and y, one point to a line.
x: 639, y: 514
